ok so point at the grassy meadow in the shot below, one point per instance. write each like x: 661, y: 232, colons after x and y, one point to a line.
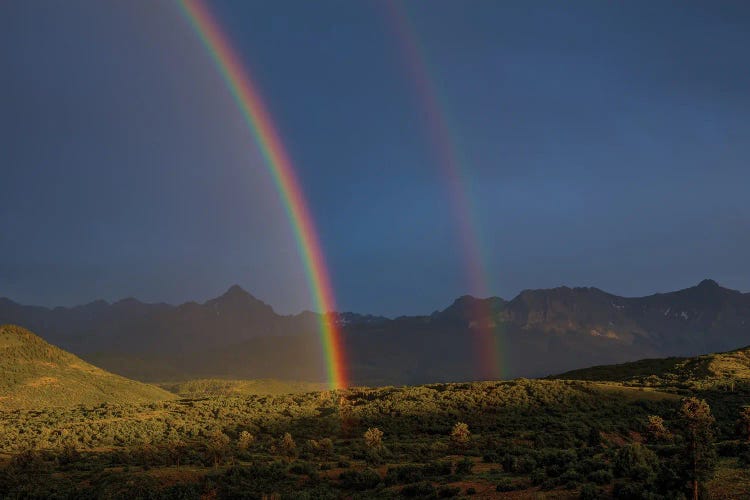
x: 515, y: 439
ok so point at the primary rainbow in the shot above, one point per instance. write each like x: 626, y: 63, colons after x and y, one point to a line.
x: 487, y: 333
x: 261, y: 125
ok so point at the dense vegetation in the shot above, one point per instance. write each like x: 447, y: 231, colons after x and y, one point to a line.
x: 554, y: 438
x: 34, y: 374
x: 201, y: 388
x: 719, y: 370
x: 674, y: 428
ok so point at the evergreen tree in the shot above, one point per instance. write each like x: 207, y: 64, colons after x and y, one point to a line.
x: 698, y: 454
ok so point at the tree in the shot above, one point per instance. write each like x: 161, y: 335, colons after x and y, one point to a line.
x: 744, y: 423
x: 245, y: 441
x: 635, y: 462
x: 594, y: 438
x: 699, y: 453
x: 346, y: 416
x: 287, y: 446
x: 460, y: 434
x: 656, y: 431
x: 374, y: 438
x: 218, y: 447
x: 175, y: 448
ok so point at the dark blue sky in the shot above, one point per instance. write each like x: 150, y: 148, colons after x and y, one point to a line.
x: 604, y: 144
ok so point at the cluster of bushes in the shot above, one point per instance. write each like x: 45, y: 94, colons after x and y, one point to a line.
x: 548, y: 434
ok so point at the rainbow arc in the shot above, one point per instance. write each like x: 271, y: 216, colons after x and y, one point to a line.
x: 260, y: 123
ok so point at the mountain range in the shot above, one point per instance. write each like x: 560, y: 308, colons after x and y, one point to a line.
x: 539, y: 332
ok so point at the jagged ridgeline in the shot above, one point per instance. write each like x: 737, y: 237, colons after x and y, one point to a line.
x: 35, y: 374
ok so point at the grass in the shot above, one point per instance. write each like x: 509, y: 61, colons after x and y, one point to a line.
x: 528, y: 438
x: 35, y: 374
x: 731, y: 481
x: 719, y: 370
x: 201, y: 388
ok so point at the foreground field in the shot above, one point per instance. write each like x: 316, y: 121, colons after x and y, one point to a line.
x: 523, y: 438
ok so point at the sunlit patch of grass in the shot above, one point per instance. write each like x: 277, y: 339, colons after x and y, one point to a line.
x: 634, y: 393
x: 35, y: 374
x: 227, y: 387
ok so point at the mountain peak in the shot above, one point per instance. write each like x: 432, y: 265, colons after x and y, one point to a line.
x: 236, y: 293
x: 238, y: 297
x: 708, y: 283
x: 235, y: 290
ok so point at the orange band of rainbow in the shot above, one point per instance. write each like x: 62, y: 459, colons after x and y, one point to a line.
x: 261, y: 125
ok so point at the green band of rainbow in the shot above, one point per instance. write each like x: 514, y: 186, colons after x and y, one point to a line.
x: 261, y: 125
x: 454, y: 169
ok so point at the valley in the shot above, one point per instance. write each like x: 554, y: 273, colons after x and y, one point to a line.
x: 586, y: 434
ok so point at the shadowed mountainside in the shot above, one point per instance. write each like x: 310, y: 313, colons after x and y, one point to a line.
x: 539, y: 332
x: 35, y: 374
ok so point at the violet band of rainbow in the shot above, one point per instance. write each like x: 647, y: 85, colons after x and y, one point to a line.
x: 260, y: 123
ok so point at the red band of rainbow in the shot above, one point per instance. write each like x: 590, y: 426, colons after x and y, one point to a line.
x: 487, y: 333
x: 260, y: 123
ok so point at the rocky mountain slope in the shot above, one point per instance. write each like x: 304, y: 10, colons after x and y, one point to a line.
x: 539, y: 332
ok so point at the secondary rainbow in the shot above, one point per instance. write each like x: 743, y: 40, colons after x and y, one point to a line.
x: 487, y: 346
x: 260, y: 123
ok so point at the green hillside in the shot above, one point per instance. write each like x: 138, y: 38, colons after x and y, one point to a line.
x: 221, y: 387
x: 708, y: 370
x: 36, y: 374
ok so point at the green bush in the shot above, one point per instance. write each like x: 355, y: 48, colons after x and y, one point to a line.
x: 448, y: 491
x: 591, y: 492
x: 636, y: 462
x: 603, y: 476
x: 422, y: 490
x: 464, y: 466
x: 359, y: 480
x: 505, y: 484
x: 403, y: 474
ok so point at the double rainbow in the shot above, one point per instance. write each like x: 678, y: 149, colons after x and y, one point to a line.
x: 487, y: 348
x: 260, y: 123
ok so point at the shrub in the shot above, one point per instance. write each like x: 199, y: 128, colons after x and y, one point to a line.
x: 359, y: 481
x: 630, y: 490
x: 287, y: 447
x: 374, y: 438
x: 635, y: 461
x: 600, y: 476
x: 505, y: 484
x: 460, y: 434
x: 448, y: 491
x: 570, y: 475
x: 656, y: 431
x: 730, y: 448
x: 303, y: 468
x: 245, y: 441
x: 423, y: 489
x: 525, y: 465
x: 548, y: 484
x: 464, y: 466
x: 591, y: 492
x: 402, y: 474
x: 538, y: 476
x: 439, y: 468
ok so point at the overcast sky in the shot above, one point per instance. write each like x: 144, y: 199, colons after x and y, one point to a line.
x: 602, y: 144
